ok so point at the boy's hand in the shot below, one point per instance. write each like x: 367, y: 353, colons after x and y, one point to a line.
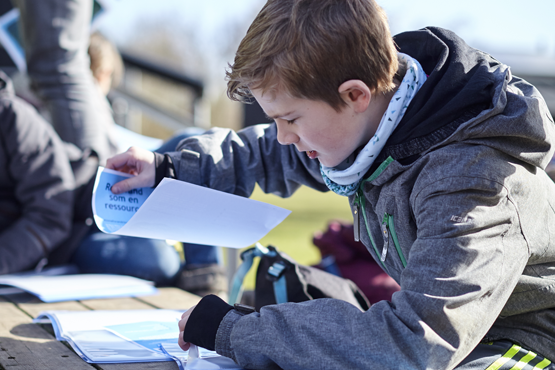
x: 135, y: 161
x: 184, y: 318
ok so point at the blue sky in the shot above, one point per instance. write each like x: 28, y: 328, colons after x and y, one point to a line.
x: 508, y: 26
x: 516, y: 26
x: 499, y: 27
x: 205, y: 16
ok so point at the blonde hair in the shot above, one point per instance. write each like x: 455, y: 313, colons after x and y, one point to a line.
x: 105, y: 58
x: 310, y: 47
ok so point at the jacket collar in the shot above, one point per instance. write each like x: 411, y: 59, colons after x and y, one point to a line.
x: 460, y: 85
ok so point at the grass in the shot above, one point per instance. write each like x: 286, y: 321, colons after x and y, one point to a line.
x: 311, y: 211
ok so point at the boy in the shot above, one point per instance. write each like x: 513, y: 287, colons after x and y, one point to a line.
x: 441, y: 152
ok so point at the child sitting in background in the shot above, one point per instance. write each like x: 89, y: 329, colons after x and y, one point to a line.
x: 202, y: 272
x: 59, y: 72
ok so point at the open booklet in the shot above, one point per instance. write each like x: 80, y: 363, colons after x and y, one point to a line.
x: 129, y: 336
x: 177, y: 210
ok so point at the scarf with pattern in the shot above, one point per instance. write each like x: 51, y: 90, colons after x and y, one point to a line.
x: 345, y: 182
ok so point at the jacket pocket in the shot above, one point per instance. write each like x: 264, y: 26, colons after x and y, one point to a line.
x: 390, y: 237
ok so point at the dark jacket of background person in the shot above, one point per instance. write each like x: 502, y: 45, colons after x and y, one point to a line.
x: 36, y: 182
x: 55, y: 35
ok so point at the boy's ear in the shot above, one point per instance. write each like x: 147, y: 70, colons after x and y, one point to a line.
x: 356, y: 94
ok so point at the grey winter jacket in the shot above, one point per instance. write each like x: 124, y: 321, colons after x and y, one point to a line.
x: 458, y: 210
x: 36, y: 182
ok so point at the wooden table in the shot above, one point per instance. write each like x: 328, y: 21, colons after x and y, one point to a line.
x: 25, y: 345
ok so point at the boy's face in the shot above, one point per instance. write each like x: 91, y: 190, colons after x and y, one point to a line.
x: 314, y: 127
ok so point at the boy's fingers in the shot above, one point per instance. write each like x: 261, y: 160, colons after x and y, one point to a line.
x: 135, y: 161
x: 187, y: 313
x: 122, y: 186
x: 182, y: 324
x: 130, y: 184
x: 182, y: 344
x: 134, y: 158
x: 185, y: 318
x: 117, y: 161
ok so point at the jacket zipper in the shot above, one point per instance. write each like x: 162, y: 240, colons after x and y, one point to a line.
x: 388, y: 228
x: 359, y: 207
x: 385, y: 239
x: 356, y: 218
x: 359, y: 203
x: 359, y: 198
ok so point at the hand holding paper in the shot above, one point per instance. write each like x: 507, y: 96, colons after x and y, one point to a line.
x: 181, y: 211
x: 135, y: 161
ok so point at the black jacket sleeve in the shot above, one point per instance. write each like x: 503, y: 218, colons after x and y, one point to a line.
x: 36, y: 182
x: 204, y: 321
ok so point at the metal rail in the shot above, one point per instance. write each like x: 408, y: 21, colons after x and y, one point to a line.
x: 140, y: 102
x: 163, y: 71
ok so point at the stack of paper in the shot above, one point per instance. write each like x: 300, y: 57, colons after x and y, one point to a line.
x: 129, y: 336
x: 80, y: 286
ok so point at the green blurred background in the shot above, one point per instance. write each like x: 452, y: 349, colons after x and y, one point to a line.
x: 311, y: 212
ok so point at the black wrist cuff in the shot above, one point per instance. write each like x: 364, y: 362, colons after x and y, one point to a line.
x: 204, y: 321
x: 164, y: 167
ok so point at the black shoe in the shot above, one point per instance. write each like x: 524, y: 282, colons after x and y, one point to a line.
x: 203, y: 280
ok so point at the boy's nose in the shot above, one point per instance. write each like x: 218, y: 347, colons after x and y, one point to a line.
x: 285, y: 136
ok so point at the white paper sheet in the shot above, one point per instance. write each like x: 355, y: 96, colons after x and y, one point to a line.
x: 198, y: 358
x: 177, y: 210
x: 81, y: 286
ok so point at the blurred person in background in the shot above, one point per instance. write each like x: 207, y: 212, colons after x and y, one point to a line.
x: 55, y: 36
x: 202, y: 271
x: 106, y: 63
x: 36, y: 185
x: 71, y: 71
x: 46, y: 217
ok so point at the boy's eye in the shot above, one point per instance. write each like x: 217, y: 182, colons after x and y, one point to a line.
x: 291, y: 121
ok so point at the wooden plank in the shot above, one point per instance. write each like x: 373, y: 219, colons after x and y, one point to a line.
x: 26, y: 346
x: 165, y: 365
x: 116, y: 304
x: 172, y: 299
x: 23, y: 298
x: 33, y: 306
x: 168, y: 298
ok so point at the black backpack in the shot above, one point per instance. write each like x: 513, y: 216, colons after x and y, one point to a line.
x: 280, y: 279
